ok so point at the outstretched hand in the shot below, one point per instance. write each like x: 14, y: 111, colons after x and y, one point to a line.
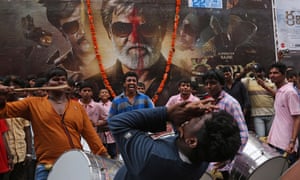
x: 179, y: 113
x: 4, y: 90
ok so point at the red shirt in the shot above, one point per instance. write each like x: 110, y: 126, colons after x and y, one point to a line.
x: 3, y: 155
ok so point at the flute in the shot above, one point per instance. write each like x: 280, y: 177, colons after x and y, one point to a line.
x: 43, y: 88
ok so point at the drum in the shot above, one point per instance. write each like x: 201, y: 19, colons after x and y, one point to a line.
x: 79, y: 165
x: 258, y: 161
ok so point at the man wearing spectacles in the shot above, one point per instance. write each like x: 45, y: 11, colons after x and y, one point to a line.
x: 67, y: 17
x: 137, y: 30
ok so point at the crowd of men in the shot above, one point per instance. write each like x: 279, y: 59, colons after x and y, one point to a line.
x: 207, y: 132
x: 272, y: 101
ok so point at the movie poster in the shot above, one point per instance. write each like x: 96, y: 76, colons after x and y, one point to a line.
x: 288, y: 30
x: 137, y: 36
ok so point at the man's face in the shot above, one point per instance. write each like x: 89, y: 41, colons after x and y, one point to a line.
x: 227, y: 76
x: 73, y: 29
x: 185, y: 88
x: 104, y: 94
x: 130, y: 84
x: 213, y: 87
x: 86, y: 93
x: 276, y: 76
x: 141, y: 89
x: 136, y: 38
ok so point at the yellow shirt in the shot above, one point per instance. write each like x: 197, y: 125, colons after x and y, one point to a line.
x: 16, y: 138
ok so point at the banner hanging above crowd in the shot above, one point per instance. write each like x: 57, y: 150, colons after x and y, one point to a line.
x: 37, y: 35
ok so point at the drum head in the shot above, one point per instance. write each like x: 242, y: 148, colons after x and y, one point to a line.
x: 73, y: 165
x: 271, y: 169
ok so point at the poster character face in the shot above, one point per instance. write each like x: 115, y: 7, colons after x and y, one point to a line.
x: 136, y: 38
x: 73, y: 29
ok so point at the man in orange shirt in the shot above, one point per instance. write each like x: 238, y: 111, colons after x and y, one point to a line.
x: 56, y: 119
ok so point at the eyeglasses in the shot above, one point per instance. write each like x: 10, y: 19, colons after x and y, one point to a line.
x: 124, y: 29
x: 71, y: 27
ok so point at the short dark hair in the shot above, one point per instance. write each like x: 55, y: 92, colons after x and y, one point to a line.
x: 16, y: 80
x: 280, y: 66
x: 187, y: 81
x: 56, y: 71
x: 227, y: 69
x: 85, y: 84
x: 40, y: 82
x: 219, y: 139
x: 258, y: 68
x: 130, y: 74
x: 58, y: 9
x: 291, y: 73
x: 214, y: 74
x: 141, y: 84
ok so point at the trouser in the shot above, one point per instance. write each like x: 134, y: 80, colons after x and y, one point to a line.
x: 19, y: 172
x: 262, y: 125
x: 42, y: 172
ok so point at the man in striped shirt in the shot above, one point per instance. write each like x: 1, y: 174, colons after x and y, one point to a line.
x: 214, y: 81
x: 130, y: 99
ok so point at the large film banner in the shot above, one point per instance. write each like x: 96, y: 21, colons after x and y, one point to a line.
x: 135, y: 35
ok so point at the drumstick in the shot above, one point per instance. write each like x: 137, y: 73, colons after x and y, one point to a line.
x: 42, y: 88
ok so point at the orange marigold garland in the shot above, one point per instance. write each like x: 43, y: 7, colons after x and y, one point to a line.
x: 171, y: 53
x: 170, y: 56
x: 99, y: 59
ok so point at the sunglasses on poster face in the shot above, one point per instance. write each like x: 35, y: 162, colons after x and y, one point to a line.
x: 71, y: 27
x: 124, y: 29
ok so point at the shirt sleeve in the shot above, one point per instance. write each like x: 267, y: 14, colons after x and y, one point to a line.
x: 91, y: 136
x: 130, y: 132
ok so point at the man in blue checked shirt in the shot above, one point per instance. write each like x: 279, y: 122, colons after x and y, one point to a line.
x: 130, y: 99
x: 214, y: 81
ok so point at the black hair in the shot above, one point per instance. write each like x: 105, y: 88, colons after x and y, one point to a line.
x: 226, y: 69
x: 40, y: 82
x: 214, y: 74
x: 56, y: 71
x: 258, y: 68
x: 187, y: 81
x: 31, y: 77
x: 280, y: 66
x: 12, y: 79
x: 85, y: 84
x: 130, y: 74
x: 141, y: 84
x: 58, y: 9
x: 291, y: 73
x: 219, y: 139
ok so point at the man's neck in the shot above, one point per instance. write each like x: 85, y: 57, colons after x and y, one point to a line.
x: 280, y: 84
x: 130, y: 94
x: 104, y: 100
x: 185, y: 96
x: 143, y: 75
x: 86, y: 101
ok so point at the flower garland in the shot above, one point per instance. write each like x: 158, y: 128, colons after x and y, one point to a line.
x: 170, y: 56
x: 99, y: 59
